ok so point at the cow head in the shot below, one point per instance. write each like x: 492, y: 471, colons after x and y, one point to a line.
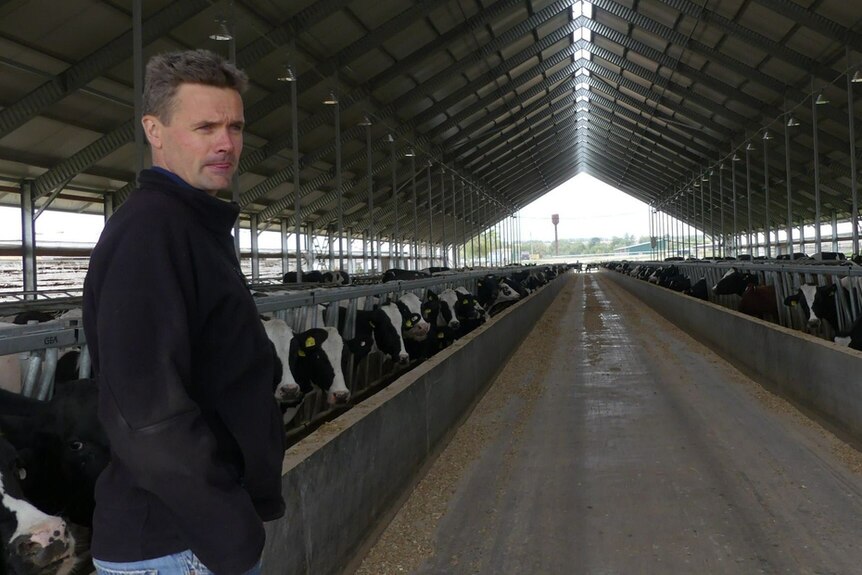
x: 413, y: 325
x: 817, y: 303
x: 432, y: 307
x: 487, y: 290
x: 287, y: 390
x: 33, y: 542
x: 318, y: 361
x: 393, y: 321
x: 734, y: 282
x: 61, y: 445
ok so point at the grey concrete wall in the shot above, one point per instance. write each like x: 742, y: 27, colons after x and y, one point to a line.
x: 345, y: 477
x: 818, y: 374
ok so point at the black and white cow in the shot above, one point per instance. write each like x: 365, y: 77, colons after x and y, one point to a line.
x: 397, y: 274
x: 829, y: 256
x: 440, y: 335
x: 817, y: 303
x: 487, y: 290
x: 413, y: 325
x: 469, y: 312
x: 338, y: 277
x: 698, y: 289
x: 373, y: 331
x: 33, y: 542
x: 851, y: 338
x: 506, y: 296
x: 435, y: 270
x: 734, y: 282
x: 310, y: 357
x: 62, y: 446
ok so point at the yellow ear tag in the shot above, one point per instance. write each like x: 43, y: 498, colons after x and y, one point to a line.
x: 441, y: 335
x: 464, y: 302
x: 301, y: 353
x: 310, y: 342
x: 409, y: 323
x: 793, y: 303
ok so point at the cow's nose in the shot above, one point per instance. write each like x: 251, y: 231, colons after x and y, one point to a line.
x: 403, y: 357
x: 286, y: 392
x: 45, y: 545
x: 339, y: 397
x: 454, y: 324
x: 814, y: 322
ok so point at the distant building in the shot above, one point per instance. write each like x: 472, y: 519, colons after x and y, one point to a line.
x: 639, y: 249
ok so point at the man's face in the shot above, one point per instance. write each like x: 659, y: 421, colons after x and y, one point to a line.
x: 202, y: 141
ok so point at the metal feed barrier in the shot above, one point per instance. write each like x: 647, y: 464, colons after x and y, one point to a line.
x: 301, y: 306
x: 786, y: 277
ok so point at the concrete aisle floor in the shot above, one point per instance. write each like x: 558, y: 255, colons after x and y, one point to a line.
x: 614, y: 443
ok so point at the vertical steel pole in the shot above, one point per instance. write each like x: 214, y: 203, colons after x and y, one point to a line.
x: 734, y: 159
x: 854, y: 210
x: 28, y: 239
x: 255, y: 255
x: 445, y: 253
x: 788, y: 175
x: 464, y: 223
x: 396, y: 262
x: 766, y: 227
x: 297, y: 207
x: 748, y: 201
x: 369, y: 175
x: 723, y: 240
x: 817, y: 213
x: 430, y: 219
x: 415, y: 248
x: 337, y: 113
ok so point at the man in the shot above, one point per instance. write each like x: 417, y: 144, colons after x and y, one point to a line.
x: 184, y: 366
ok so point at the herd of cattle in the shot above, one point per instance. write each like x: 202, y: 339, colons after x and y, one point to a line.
x: 52, y: 451
x: 819, y: 304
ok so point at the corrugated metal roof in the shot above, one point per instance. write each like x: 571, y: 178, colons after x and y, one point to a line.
x: 508, y: 98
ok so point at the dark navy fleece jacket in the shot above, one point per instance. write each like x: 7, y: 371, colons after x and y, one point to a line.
x: 185, y: 376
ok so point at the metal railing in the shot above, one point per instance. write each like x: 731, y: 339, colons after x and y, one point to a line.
x: 786, y: 277
x: 301, y: 306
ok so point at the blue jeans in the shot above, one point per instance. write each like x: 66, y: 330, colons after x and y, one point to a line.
x: 182, y: 563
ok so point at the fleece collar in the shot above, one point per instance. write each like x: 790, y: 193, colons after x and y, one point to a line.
x: 215, y: 214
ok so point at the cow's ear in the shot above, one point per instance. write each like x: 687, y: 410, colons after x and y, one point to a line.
x: 310, y: 339
x: 430, y: 296
x: 791, y: 300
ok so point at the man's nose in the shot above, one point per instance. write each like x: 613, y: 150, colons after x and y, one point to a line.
x: 226, y: 141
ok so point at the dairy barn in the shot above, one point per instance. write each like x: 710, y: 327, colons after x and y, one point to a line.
x: 698, y: 410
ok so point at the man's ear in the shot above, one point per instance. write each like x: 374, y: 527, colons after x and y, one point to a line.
x: 153, y: 130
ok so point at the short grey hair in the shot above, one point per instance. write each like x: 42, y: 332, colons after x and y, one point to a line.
x: 167, y: 72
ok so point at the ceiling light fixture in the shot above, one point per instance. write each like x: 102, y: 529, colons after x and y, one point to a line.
x: 792, y: 122
x: 767, y: 135
x: 410, y: 153
x: 332, y: 99
x: 365, y: 121
x: 222, y: 34
x: 750, y: 147
x: 287, y: 75
x: 857, y: 77
x: 821, y: 99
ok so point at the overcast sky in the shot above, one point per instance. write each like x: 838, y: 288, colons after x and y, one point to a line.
x: 587, y: 208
